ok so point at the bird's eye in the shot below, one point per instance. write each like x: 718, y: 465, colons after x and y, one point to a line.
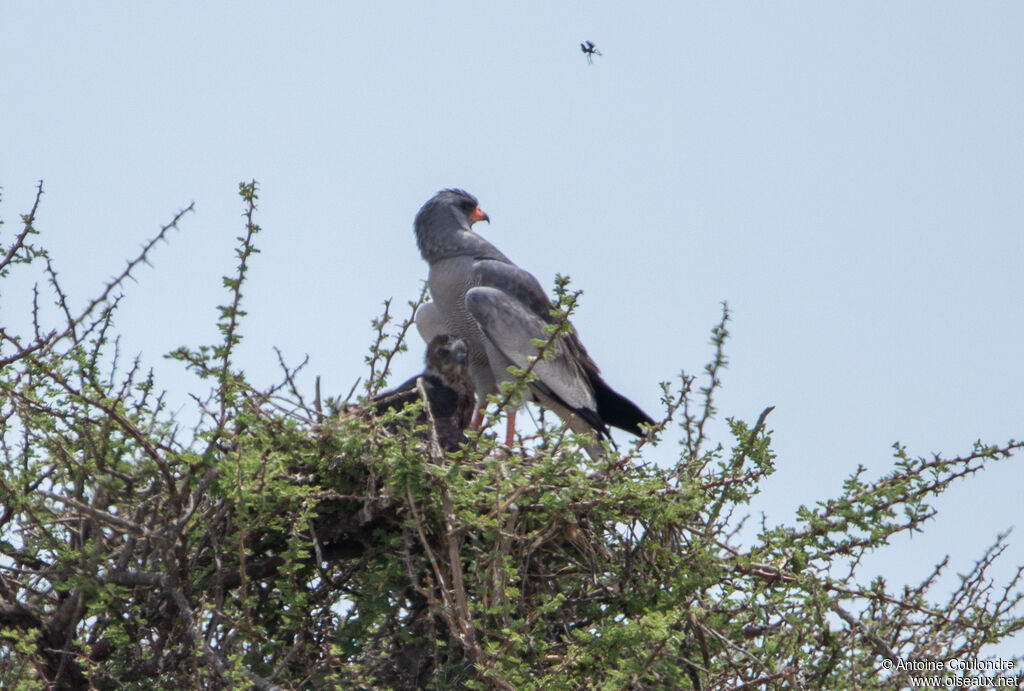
x: 443, y: 352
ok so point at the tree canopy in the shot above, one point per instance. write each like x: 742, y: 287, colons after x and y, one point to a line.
x: 285, y: 541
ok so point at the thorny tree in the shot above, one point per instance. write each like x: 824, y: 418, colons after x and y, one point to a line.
x: 278, y: 546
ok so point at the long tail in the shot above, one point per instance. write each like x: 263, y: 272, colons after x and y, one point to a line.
x: 617, y: 410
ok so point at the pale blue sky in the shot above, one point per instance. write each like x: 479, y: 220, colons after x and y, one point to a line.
x: 848, y: 177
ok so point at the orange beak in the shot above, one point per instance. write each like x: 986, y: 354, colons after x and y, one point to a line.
x: 478, y: 215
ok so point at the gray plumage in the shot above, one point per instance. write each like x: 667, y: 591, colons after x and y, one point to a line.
x: 479, y: 295
x: 448, y: 386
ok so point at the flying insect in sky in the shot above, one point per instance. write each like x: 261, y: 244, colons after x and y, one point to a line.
x: 590, y: 50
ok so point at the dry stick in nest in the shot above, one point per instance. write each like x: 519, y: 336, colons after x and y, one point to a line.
x: 448, y: 610
x: 466, y: 631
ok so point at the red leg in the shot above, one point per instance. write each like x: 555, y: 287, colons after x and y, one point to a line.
x: 510, y: 429
x: 478, y: 418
